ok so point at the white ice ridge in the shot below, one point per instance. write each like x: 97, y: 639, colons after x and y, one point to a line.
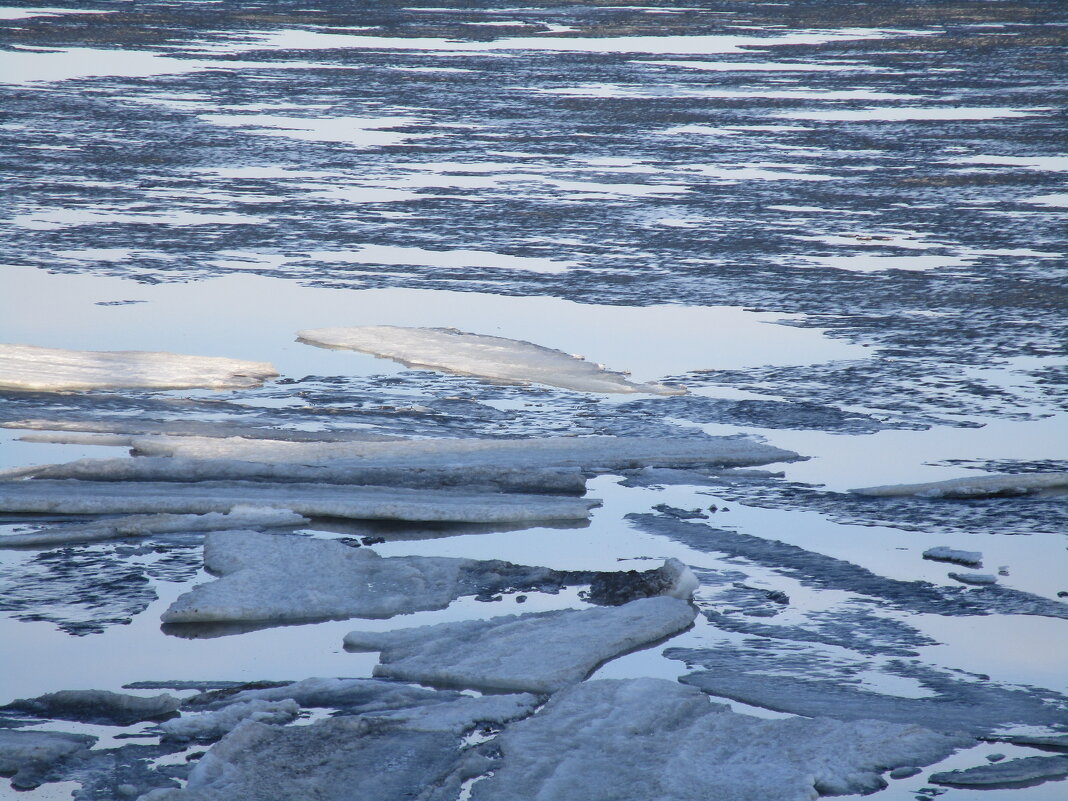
x: 265, y: 577
x: 212, y: 725
x: 989, y: 486
x: 539, y: 652
x: 340, y: 471
x: 146, y: 525
x: 641, y: 739
x: 599, y: 453
x: 30, y: 367
x: 497, y: 358
x: 312, y: 500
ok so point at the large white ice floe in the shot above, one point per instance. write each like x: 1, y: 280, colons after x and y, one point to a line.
x: 497, y: 358
x: 213, y: 725
x: 146, y: 525
x: 598, y: 453
x: 340, y: 471
x: 640, y: 739
x: 266, y: 577
x: 989, y: 486
x: 31, y: 367
x: 313, y: 500
x: 539, y: 652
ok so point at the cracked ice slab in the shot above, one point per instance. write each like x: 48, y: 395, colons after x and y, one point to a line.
x: 147, y: 525
x: 496, y: 358
x: 586, y: 453
x: 342, y: 471
x: 30, y: 367
x: 637, y: 739
x: 1000, y: 486
x: 313, y: 500
x: 539, y: 652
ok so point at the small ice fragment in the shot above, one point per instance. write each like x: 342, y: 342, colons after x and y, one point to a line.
x: 945, y: 554
x: 29, y: 367
x: 496, y: 358
x: 990, y: 486
x: 978, y: 579
x: 27, y: 756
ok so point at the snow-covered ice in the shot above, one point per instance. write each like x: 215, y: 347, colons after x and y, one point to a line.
x: 1004, y: 486
x: 26, y: 756
x: 30, y: 367
x: 976, y: 579
x: 313, y: 500
x: 497, y: 358
x: 538, y: 652
x: 213, y: 725
x: 944, y: 553
x: 639, y: 739
x: 239, y: 517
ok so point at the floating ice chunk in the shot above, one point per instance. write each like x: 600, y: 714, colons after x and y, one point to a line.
x: 97, y: 706
x: 355, y: 696
x: 313, y: 500
x: 270, y: 577
x: 52, y: 369
x: 587, y: 453
x: 649, y: 738
x: 990, y: 486
x: 145, y: 525
x: 978, y: 579
x: 26, y: 756
x: 1026, y: 772
x: 497, y: 358
x: 213, y: 725
x: 539, y: 652
x: 465, y: 713
x: 944, y: 554
x: 342, y: 471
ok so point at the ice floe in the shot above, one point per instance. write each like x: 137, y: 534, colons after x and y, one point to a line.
x: 648, y: 738
x: 496, y: 358
x: 213, y: 725
x: 988, y: 486
x: 145, y: 525
x: 30, y: 367
x: 597, y: 453
x: 28, y: 756
x: 943, y: 553
x: 353, y: 696
x: 1017, y: 772
x: 539, y: 652
x: 96, y: 706
x: 314, y: 500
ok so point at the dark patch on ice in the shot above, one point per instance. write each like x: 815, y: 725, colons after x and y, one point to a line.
x: 32, y: 758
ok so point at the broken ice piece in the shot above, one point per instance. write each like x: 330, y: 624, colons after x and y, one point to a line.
x: 497, y: 358
x: 989, y: 486
x: 1026, y: 772
x: 944, y: 554
x: 213, y: 725
x: 27, y: 756
x: 29, y: 367
x: 97, y: 706
x: 977, y: 579
x: 538, y: 652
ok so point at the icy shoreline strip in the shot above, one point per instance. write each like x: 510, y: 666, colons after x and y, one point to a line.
x: 496, y: 358
x: 312, y: 500
x: 150, y: 468
x: 29, y: 367
x: 997, y: 486
x: 145, y: 525
x: 598, y: 453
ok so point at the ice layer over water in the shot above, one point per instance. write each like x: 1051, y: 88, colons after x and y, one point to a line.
x: 977, y: 487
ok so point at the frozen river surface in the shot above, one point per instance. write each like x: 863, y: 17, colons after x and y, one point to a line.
x: 802, y: 248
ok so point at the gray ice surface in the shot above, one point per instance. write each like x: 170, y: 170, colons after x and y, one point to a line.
x: 29, y: 756
x: 1021, y: 772
x: 97, y: 706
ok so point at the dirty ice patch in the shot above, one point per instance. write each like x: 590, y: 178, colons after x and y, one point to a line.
x: 1005, y: 486
x: 355, y: 131
x: 650, y: 738
x: 495, y: 358
x: 907, y: 114
x: 1038, y: 163
x: 422, y: 257
x: 540, y: 652
x: 29, y: 367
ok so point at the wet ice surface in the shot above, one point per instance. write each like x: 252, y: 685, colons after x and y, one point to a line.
x: 842, y: 232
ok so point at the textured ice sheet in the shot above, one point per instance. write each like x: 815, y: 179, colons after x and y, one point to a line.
x: 341, y: 471
x: 539, y: 652
x: 52, y: 369
x: 145, y: 525
x: 354, y: 696
x: 496, y: 358
x: 213, y: 725
x: 96, y: 706
x: 943, y: 553
x: 314, y: 500
x: 978, y: 487
x: 587, y: 453
x: 28, y: 756
x: 1021, y: 772
x: 648, y: 738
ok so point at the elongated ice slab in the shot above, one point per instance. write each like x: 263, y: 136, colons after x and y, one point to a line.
x: 942, y: 553
x: 496, y: 358
x: 53, y: 369
x: 586, y: 453
x: 1001, y: 486
x: 539, y: 652
x: 642, y: 739
x: 313, y: 500
x: 1026, y: 772
x: 212, y: 725
x: 146, y: 525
